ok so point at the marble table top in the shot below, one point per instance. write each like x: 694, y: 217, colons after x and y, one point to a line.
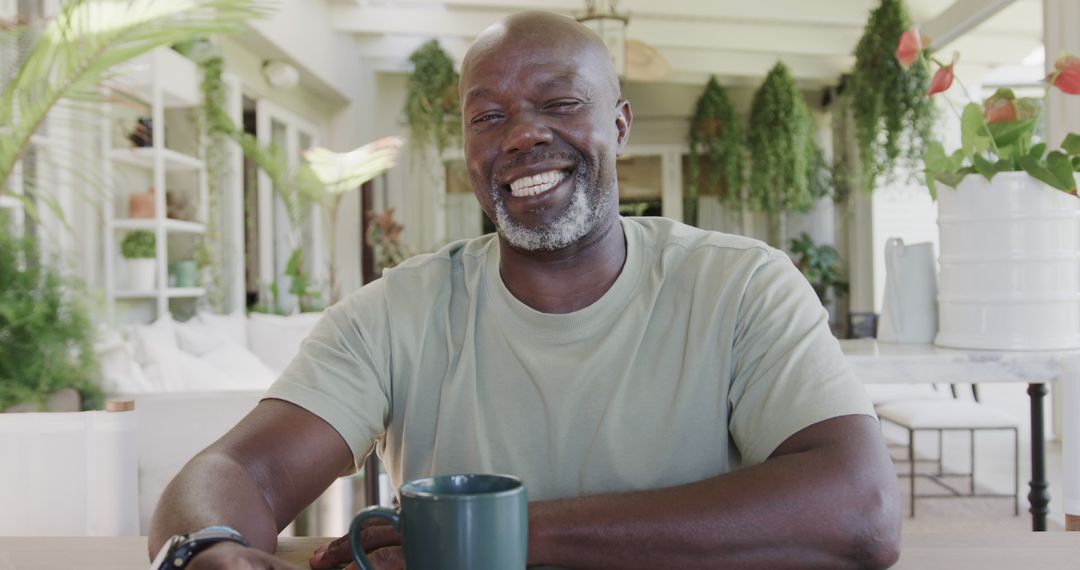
x: 880, y: 362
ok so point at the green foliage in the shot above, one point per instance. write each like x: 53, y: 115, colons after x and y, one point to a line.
x: 716, y: 139
x: 308, y: 297
x: 1004, y: 146
x: 893, y: 114
x: 80, y: 47
x: 432, y: 109
x: 782, y: 149
x: 820, y: 264
x: 139, y: 244
x: 46, y: 336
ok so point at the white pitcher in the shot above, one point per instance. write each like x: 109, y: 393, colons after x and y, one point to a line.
x: 909, y: 311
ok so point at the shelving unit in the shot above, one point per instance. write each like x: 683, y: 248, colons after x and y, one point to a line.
x: 167, y: 83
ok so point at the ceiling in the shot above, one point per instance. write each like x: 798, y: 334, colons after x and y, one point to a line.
x: 737, y: 40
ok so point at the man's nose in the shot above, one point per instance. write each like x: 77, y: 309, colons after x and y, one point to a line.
x: 525, y: 134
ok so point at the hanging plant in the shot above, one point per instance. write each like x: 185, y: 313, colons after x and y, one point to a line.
x: 782, y: 149
x: 893, y: 114
x: 716, y: 141
x: 432, y: 109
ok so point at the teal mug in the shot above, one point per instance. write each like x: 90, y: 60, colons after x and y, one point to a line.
x: 456, y: 522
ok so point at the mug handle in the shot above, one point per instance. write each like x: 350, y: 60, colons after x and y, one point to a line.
x: 354, y: 531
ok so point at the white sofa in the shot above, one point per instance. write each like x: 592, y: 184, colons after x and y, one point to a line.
x: 193, y: 381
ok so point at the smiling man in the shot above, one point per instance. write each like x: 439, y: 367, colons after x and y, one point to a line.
x: 671, y: 397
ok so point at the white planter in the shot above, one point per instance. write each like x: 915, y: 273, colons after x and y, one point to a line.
x: 141, y: 274
x: 1010, y: 265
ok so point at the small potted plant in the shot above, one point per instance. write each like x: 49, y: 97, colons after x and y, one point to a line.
x: 139, y: 249
x: 1007, y: 217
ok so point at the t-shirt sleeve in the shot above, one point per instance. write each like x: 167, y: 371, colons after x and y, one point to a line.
x: 789, y: 372
x: 341, y: 373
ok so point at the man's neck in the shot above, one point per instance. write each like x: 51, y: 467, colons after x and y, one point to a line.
x: 569, y: 279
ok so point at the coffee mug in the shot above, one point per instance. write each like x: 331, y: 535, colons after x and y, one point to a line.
x: 456, y: 522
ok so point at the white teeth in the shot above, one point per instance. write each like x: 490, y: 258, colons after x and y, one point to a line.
x: 536, y: 184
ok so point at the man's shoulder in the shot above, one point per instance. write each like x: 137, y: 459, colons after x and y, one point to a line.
x: 454, y: 256
x: 676, y: 240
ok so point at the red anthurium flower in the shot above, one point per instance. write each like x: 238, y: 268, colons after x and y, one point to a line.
x: 1066, y: 75
x: 942, y: 79
x: 907, y: 52
x: 999, y: 111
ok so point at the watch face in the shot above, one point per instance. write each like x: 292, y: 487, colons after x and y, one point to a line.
x: 166, y: 550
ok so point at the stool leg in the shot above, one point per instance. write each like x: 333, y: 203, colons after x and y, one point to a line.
x: 911, y: 460
x: 972, y: 438
x: 1016, y: 463
x: 940, y: 452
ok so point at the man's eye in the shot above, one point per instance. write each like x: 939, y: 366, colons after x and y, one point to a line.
x: 563, y: 105
x: 485, y: 117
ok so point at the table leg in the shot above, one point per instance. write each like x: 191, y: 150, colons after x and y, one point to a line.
x: 371, y: 480
x: 1039, y: 497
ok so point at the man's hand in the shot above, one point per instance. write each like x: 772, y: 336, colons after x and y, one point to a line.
x: 234, y: 556
x: 381, y: 543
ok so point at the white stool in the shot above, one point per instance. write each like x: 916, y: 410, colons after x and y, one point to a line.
x: 943, y: 415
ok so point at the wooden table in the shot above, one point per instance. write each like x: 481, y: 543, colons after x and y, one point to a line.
x: 890, y: 363
x: 1002, y: 551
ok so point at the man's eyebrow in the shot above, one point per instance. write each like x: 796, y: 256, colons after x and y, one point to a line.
x: 476, y: 93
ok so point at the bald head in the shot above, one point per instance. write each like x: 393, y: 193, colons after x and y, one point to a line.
x: 544, y: 30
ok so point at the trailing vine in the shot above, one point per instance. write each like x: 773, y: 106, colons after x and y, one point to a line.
x: 432, y: 109
x: 893, y: 115
x: 716, y: 139
x: 782, y: 150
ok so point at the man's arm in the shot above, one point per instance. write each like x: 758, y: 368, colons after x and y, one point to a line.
x: 256, y: 478
x: 826, y: 498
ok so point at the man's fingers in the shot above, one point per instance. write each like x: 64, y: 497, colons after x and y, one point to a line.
x: 378, y: 534
x: 389, y: 558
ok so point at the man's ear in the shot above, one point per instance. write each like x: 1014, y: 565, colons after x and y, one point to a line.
x: 623, y: 117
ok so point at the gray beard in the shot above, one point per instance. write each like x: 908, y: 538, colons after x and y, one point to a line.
x: 574, y: 223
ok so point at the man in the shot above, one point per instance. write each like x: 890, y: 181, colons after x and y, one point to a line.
x: 671, y: 397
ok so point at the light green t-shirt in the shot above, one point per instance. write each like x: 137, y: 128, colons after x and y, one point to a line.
x: 707, y: 352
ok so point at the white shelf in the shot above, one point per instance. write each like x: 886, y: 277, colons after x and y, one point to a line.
x: 180, y: 292
x: 7, y: 202
x: 172, y: 293
x: 143, y: 157
x: 174, y: 226
x: 177, y: 75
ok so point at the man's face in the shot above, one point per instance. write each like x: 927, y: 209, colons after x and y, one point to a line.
x: 542, y: 130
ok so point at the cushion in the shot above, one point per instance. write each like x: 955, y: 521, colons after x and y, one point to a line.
x: 160, y: 333
x: 234, y: 326
x: 199, y: 375
x: 197, y: 337
x: 935, y: 414
x: 119, y: 370
x: 242, y: 368
x: 276, y: 339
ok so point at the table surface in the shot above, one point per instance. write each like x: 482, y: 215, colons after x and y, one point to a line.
x: 995, y: 551
x: 880, y: 362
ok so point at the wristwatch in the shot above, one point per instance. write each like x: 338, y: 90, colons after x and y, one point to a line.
x: 181, y: 548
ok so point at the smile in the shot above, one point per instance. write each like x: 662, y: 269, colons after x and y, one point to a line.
x: 536, y: 184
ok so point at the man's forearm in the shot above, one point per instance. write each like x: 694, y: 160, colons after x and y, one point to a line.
x: 826, y: 508
x: 213, y: 489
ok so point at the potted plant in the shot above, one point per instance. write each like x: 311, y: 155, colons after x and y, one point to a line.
x: 46, y: 336
x: 1009, y: 271
x: 820, y: 264
x: 432, y: 110
x: 783, y: 155
x: 892, y: 115
x: 139, y: 249
x: 716, y: 143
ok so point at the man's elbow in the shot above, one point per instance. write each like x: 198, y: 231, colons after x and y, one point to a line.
x: 877, y: 533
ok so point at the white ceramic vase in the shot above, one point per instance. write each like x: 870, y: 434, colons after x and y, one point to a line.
x: 1010, y: 265
x: 141, y: 274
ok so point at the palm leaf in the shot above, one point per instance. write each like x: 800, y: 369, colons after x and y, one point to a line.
x: 82, y: 46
